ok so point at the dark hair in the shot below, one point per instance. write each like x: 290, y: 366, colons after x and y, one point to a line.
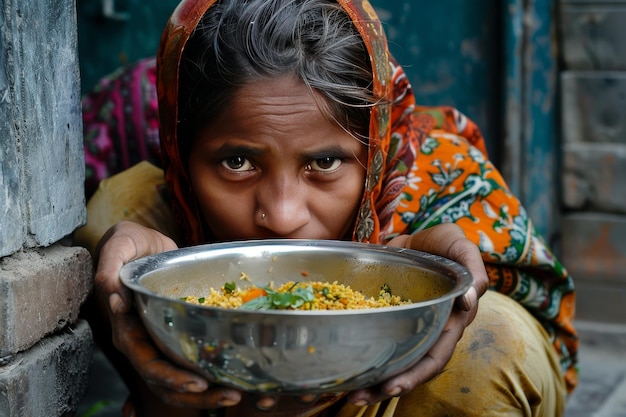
x: 241, y: 41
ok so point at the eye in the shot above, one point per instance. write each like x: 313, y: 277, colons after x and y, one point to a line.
x: 325, y: 164
x: 237, y: 163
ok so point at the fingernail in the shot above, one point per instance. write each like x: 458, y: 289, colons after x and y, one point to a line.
x: 394, y: 392
x: 116, y: 303
x: 360, y: 403
x: 195, y: 386
x: 265, y: 404
x: 470, y: 297
x: 307, y: 399
x: 227, y: 402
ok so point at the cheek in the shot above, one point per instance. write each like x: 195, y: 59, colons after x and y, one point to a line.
x: 227, y: 216
x: 221, y: 208
x: 341, y: 207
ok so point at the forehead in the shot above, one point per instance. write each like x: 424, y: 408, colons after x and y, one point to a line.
x: 283, y: 101
x: 279, y: 118
x: 279, y: 90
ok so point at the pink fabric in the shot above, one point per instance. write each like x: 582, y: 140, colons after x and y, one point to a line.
x: 121, y: 123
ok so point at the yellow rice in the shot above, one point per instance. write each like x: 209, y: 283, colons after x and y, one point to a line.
x: 335, y: 297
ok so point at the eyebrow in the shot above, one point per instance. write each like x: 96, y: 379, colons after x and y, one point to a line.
x: 246, y: 150
x: 333, y: 151
x: 230, y: 149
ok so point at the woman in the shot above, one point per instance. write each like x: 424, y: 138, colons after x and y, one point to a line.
x: 287, y: 118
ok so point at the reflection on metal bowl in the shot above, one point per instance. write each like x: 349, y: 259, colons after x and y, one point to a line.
x: 295, y: 351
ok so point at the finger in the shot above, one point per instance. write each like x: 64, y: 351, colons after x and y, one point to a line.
x: 449, y: 240
x: 215, y: 397
x: 107, y: 285
x: 266, y: 402
x: 121, y: 244
x: 175, y: 386
x: 426, y: 369
x: 308, y: 398
x: 131, y: 339
x: 433, y: 362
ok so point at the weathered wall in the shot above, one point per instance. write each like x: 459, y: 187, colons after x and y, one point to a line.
x: 49, y: 379
x: 593, y: 97
x: 41, y: 197
x: 530, y: 91
x: 41, y: 292
x: 45, y: 351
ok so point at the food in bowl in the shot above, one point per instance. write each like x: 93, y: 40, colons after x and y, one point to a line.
x: 295, y: 351
x: 294, y: 295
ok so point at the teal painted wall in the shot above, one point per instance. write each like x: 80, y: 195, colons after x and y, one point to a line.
x: 106, y: 43
x: 452, y: 54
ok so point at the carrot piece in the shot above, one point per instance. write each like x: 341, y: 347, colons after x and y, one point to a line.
x: 252, y: 293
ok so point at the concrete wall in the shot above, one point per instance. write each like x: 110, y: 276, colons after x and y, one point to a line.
x: 41, y: 197
x: 593, y: 96
x: 45, y: 351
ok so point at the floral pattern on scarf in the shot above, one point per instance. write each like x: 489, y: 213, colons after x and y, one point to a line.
x: 438, y: 172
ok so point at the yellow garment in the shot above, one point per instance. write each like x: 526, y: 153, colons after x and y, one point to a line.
x: 505, y: 364
x: 132, y: 195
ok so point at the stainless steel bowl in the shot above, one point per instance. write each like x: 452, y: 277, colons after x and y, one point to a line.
x: 295, y: 352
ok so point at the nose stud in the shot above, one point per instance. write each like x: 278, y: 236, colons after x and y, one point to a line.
x: 263, y: 216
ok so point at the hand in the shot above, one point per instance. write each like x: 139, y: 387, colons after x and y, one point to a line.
x: 447, y: 240
x: 121, y: 244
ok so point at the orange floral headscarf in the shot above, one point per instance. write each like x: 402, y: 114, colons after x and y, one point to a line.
x: 178, y: 30
x: 425, y: 166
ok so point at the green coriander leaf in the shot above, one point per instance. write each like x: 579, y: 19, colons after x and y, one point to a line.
x: 230, y: 287
x: 306, y: 294
x: 282, y: 300
x: 259, y: 303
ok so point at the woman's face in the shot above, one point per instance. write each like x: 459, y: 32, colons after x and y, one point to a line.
x: 272, y: 166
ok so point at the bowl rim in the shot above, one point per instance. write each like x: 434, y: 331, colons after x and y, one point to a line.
x: 131, y: 272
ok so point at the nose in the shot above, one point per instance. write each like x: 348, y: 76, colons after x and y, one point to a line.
x: 283, y: 200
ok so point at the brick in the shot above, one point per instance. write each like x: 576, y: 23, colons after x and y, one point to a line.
x: 592, y: 178
x: 41, y: 291
x: 594, y: 248
x: 593, y: 36
x: 592, y: 107
x: 51, y: 378
x: 600, y: 301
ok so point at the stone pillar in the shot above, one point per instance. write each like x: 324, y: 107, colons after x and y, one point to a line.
x: 45, y: 351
